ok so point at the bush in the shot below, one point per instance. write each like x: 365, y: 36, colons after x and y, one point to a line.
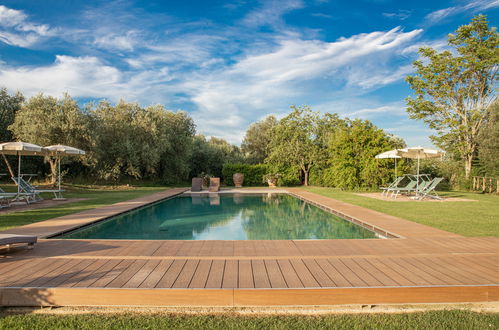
x: 253, y: 174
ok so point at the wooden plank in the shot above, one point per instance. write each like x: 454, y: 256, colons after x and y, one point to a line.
x: 136, y: 280
x: 126, y: 274
x: 216, y: 274
x: 114, y: 272
x: 155, y: 276
x: 260, y: 274
x: 346, y: 272
x: 398, y: 278
x: 230, y: 276
x: 87, y: 275
x: 320, y: 276
x: 70, y: 274
x: 185, y: 276
x: 40, y: 281
x: 201, y: 274
x: 245, y: 274
x: 287, y: 270
x: 335, y: 276
x: 275, y: 275
x: 171, y: 274
x: 304, y: 274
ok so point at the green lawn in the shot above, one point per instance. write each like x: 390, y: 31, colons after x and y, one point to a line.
x: 450, y: 319
x: 95, y: 197
x: 465, y: 218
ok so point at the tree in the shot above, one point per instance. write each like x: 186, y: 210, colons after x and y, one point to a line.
x: 45, y: 120
x: 295, y: 141
x: 454, y: 92
x: 9, y: 106
x: 488, y: 144
x: 351, y: 156
x: 257, y: 139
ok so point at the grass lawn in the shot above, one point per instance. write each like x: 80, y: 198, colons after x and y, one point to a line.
x: 447, y: 319
x: 96, y: 196
x: 465, y: 218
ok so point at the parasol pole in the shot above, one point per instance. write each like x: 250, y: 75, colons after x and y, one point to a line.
x: 59, y: 162
x: 9, y: 168
x: 18, y: 175
x: 395, y: 168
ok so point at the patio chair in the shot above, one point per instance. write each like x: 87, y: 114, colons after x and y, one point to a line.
x: 5, y: 198
x: 34, y: 193
x: 391, y: 185
x: 214, y: 185
x: 10, y: 239
x: 429, y: 189
x: 197, y: 184
x: 410, y: 187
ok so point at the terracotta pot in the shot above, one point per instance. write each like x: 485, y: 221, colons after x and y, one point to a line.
x: 238, y: 179
x: 272, y: 182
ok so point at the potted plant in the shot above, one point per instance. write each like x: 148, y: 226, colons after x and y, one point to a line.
x: 271, y: 179
x: 238, y: 179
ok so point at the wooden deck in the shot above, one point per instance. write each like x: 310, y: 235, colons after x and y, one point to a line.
x: 441, y: 267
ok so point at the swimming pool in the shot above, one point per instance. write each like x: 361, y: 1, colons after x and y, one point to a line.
x: 224, y: 217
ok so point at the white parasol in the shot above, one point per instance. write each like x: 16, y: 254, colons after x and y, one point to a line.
x: 390, y: 154
x: 21, y: 149
x: 420, y: 153
x: 59, y: 150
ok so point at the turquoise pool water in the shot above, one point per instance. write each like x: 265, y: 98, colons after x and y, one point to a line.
x: 224, y: 217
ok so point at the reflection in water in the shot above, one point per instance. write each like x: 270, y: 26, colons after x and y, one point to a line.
x: 225, y: 217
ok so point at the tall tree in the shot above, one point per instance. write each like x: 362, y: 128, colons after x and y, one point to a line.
x: 257, y: 139
x: 488, y: 144
x: 295, y: 141
x: 454, y: 92
x: 45, y: 120
x: 9, y: 106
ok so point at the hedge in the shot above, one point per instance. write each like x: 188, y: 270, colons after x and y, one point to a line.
x: 253, y: 174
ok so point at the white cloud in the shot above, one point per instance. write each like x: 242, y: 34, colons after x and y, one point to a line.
x: 401, y: 14
x: 281, y: 76
x: 16, y: 30
x: 473, y: 6
x: 112, y: 41
x: 271, y: 12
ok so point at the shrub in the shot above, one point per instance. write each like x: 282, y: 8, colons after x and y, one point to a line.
x: 253, y: 174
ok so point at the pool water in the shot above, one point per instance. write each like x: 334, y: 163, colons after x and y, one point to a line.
x: 224, y: 217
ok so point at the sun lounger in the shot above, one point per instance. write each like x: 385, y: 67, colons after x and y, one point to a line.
x: 410, y: 187
x: 214, y: 185
x: 429, y: 189
x: 197, y: 184
x: 5, y: 198
x: 10, y: 239
x: 392, y: 185
x: 34, y: 193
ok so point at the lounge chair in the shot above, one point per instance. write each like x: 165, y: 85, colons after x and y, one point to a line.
x: 429, y: 189
x: 411, y: 186
x: 10, y: 239
x: 214, y: 185
x: 197, y: 184
x: 5, y: 198
x: 392, y: 185
x: 34, y: 193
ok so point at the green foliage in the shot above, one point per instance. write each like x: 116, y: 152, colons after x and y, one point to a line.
x: 298, y: 142
x: 351, y: 162
x: 209, y: 156
x: 257, y: 139
x: 454, y: 92
x: 252, y: 173
x: 488, y: 145
x: 45, y: 120
x: 9, y: 106
x: 141, y: 142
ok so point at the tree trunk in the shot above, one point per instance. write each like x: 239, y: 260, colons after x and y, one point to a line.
x: 468, y: 163
x: 53, y: 170
x: 306, y: 177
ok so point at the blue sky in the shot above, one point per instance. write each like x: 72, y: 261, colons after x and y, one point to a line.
x: 230, y: 63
